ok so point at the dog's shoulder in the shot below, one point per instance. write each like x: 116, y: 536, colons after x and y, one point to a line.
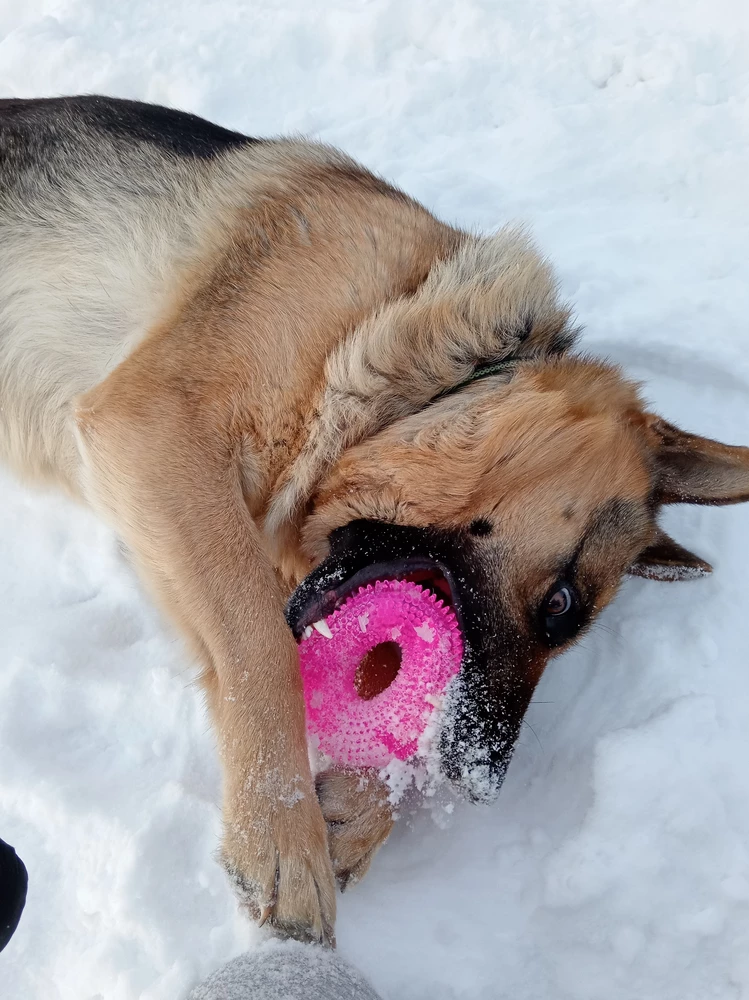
x: 45, y: 122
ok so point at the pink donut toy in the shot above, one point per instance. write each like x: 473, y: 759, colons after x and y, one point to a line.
x: 375, y: 670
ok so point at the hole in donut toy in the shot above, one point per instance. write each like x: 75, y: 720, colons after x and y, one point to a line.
x: 377, y: 670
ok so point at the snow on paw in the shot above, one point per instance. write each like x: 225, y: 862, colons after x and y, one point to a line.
x: 281, y: 872
x: 305, y: 900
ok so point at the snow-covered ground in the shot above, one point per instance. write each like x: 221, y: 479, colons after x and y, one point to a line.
x: 616, y: 863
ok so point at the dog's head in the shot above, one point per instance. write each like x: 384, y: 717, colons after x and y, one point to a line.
x: 522, y: 499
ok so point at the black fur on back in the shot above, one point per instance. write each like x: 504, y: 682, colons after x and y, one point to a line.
x: 45, y: 121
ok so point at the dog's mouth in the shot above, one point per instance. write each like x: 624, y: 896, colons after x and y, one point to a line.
x: 329, y: 587
x: 484, y: 710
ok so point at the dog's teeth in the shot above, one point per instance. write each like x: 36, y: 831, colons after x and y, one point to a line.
x: 308, y: 632
x: 323, y: 628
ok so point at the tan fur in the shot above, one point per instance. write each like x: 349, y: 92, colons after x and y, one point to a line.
x: 475, y: 304
x: 491, y: 449
x: 356, y: 807
x: 277, y: 336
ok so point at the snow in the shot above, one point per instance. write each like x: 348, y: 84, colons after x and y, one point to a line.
x: 615, y: 863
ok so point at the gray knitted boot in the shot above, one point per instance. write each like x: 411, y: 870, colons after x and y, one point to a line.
x: 285, y: 970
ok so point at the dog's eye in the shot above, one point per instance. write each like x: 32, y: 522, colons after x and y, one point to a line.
x: 560, y: 602
x: 560, y: 614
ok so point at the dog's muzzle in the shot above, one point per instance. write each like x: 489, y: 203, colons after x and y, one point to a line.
x: 485, y: 705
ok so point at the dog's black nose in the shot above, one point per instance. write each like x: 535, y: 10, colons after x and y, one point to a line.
x: 13, y: 883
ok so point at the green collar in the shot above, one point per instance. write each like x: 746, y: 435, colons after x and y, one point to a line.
x: 481, y: 371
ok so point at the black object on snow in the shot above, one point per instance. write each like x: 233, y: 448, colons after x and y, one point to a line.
x: 13, y: 883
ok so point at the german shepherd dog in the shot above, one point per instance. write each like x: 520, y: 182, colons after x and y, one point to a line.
x: 277, y: 376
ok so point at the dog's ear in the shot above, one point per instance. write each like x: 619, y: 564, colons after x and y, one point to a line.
x: 692, y: 469
x: 666, y: 560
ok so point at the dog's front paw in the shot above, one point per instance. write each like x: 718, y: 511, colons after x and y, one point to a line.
x: 280, y: 868
x: 356, y: 808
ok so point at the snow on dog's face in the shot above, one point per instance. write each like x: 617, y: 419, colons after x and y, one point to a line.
x: 522, y: 503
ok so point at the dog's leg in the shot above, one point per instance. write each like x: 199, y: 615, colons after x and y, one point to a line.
x: 166, y: 474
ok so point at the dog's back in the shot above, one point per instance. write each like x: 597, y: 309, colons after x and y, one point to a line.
x: 109, y: 211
